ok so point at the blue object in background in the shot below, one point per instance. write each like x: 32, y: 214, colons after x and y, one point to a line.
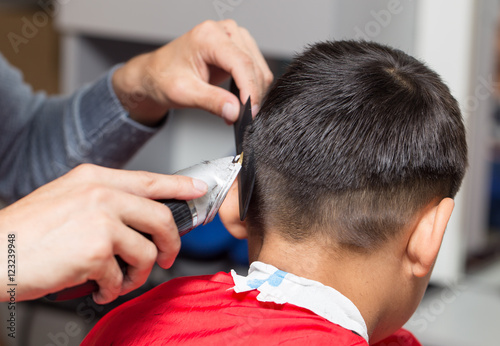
x: 494, y: 219
x: 214, y: 241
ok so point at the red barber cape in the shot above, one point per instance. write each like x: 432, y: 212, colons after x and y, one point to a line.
x: 204, y: 310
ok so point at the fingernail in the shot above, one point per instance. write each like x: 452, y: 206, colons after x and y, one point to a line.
x: 229, y: 112
x: 200, y: 185
x: 255, y: 110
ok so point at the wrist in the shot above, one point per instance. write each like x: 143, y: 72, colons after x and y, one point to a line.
x: 134, y: 89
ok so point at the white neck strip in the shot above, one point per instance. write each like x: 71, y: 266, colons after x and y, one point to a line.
x: 281, y: 287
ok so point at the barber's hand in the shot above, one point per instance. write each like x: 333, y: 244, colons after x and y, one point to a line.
x: 69, y: 231
x: 183, y: 74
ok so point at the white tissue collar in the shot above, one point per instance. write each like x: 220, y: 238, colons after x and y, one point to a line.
x: 281, y: 287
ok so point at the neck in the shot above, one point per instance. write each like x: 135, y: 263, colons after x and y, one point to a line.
x: 370, y: 288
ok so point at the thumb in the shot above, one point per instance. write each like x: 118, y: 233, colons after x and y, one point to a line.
x: 218, y: 101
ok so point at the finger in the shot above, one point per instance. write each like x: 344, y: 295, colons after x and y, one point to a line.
x: 159, y: 186
x: 233, y: 31
x: 242, y: 39
x: 167, y: 241
x: 265, y: 76
x: 232, y: 59
x: 253, y: 50
x: 215, y: 100
x: 229, y: 25
x: 144, y: 184
x: 109, y: 279
x: 139, y: 253
x: 153, y: 218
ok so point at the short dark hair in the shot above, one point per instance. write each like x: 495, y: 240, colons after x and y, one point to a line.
x: 352, y: 141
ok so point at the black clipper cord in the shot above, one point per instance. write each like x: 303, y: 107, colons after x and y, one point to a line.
x: 183, y: 219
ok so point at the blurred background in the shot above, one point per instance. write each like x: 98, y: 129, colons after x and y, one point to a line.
x: 62, y: 44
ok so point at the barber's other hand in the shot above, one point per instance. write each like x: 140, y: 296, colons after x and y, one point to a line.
x: 69, y: 231
x: 184, y: 73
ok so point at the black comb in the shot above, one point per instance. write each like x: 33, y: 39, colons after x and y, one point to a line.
x: 246, y: 178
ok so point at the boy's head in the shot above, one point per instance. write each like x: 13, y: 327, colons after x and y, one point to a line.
x: 353, y: 145
x: 351, y: 142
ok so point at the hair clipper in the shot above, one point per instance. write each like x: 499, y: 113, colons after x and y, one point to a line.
x: 218, y: 174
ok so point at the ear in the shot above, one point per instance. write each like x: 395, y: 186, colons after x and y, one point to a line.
x: 229, y: 213
x: 425, y: 240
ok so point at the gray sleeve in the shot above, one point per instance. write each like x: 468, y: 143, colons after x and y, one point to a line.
x: 43, y: 137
